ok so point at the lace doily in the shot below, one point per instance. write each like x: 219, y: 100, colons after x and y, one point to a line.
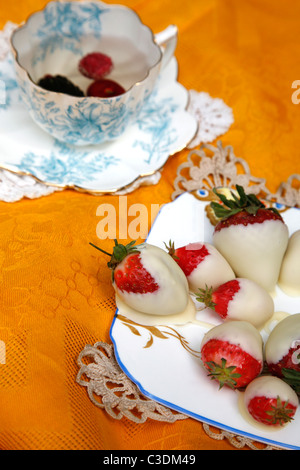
x: 107, y: 385
x: 109, y: 388
x: 212, y: 166
x: 213, y: 116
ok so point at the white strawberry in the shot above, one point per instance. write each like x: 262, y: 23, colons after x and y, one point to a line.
x: 232, y: 352
x: 202, y: 264
x: 282, y: 349
x: 147, y: 279
x: 289, y: 278
x: 270, y: 401
x: 251, y: 237
x: 239, y: 299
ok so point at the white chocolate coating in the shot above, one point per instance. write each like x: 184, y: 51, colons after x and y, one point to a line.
x: 251, y: 303
x: 172, y: 297
x: 289, y: 278
x: 284, y: 335
x: 213, y: 271
x: 270, y: 387
x: 188, y: 315
x: 240, y: 333
x: 254, y: 251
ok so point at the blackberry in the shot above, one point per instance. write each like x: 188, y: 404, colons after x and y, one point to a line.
x: 60, y: 84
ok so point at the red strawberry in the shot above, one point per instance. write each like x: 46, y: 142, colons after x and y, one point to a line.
x: 147, y: 279
x: 95, y: 65
x: 270, y: 401
x: 251, y: 237
x: 131, y: 276
x: 105, y: 89
x: 202, y: 264
x: 282, y: 350
x: 232, y: 353
x: 239, y: 299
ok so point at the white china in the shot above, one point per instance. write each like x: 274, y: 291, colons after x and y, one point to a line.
x: 164, y: 360
x: 163, y: 128
x: 53, y: 40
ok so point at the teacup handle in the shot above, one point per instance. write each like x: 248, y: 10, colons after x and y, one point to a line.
x: 168, y: 39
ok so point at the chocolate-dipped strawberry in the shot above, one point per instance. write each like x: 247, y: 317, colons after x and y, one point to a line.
x: 147, y: 279
x: 202, y: 264
x: 239, y: 299
x: 252, y: 237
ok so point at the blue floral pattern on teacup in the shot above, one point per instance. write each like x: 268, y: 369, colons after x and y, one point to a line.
x: 71, y: 23
x: 146, y: 145
x: 155, y: 120
x: 66, y: 163
x: 8, y: 84
x: 81, y: 118
x: 63, y: 28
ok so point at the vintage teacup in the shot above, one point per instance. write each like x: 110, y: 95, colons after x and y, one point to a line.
x: 53, y: 40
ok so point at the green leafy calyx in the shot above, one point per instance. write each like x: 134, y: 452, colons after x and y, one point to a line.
x: 292, y: 377
x: 205, y: 296
x: 280, y: 413
x: 171, y: 249
x: 237, y: 203
x: 223, y: 374
x: 119, y: 253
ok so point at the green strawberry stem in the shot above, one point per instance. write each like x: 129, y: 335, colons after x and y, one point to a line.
x: 100, y: 249
x: 224, y: 375
x: 280, y: 414
x: 119, y: 253
x: 205, y: 296
x: 243, y: 202
x: 171, y: 249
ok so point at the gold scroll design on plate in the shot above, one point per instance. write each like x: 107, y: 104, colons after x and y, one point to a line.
x: 157, y: 332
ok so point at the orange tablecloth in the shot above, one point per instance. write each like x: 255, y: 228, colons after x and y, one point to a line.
x: 55, y: 292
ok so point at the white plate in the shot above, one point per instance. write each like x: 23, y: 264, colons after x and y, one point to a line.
x: 164, y: 127
x: 164, y: 361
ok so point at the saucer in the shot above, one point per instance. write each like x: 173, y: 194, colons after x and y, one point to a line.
x: 163, y: 128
